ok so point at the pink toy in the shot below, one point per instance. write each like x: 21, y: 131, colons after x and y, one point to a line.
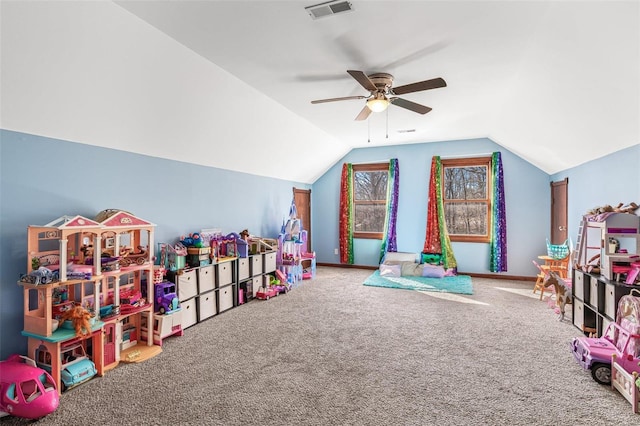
x: 265, y: 293
x: 26, y: 390
x: 621, y: 338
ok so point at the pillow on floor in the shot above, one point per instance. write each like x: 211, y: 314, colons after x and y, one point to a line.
x: 397, y: 257
x: 390, y: 270
x: 432, y: 271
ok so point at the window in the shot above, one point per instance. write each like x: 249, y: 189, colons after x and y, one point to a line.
x: 466, y: 195
x: 369, y: 199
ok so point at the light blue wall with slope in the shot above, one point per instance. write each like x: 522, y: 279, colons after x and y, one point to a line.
x: 526, y: 194
x: 42, y: 179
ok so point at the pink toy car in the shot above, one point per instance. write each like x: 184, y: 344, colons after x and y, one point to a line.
x: 620, y: 338
x: 26, y: 390
x: 265, y: 293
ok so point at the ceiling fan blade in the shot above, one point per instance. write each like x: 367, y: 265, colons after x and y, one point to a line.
x: 425, y: 51
x: 434, y: 83
x: 411, y: 106
x: 346, y: 98
x: 363, y: 114
x: 363, y: 80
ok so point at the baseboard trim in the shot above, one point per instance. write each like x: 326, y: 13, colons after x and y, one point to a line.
x: 472, y: 274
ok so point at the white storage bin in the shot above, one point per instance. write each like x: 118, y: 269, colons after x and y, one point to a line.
x: 593, y: 292
x: 187, y: 285
x: 257, y: 282
x: 578, y: 314
x: 269, y: 262
x: 225, y: 273
x: 225, y: 296
x: 610, y: 301
x: 206, y: 305
x: 256, y: 265
x: 243, y: 268
x: 579, y: 284
x: 189, y: 312
x: 206, y: 279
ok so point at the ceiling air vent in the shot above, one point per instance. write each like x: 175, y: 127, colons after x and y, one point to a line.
x: 328, y: 8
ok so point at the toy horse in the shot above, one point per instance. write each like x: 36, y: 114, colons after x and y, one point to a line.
x: 563, y: 291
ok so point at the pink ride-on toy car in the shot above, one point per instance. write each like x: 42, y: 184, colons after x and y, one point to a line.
x: 621, y: 338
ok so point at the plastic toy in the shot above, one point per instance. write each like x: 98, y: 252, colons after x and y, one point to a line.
x: 76, y: 367
x: 265, y: 293
x: 621, y: 338
x: 127, y: 258
x: 562, y: 289
x: 41, y: 275
x: 165, y: 297
x: 26, y: 390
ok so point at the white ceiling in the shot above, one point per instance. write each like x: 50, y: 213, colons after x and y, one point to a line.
x: 556, y: 82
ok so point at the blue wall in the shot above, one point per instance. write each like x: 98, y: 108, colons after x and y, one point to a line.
x: 609, y: 180
x: 526, y: 193
x: 42, y: 179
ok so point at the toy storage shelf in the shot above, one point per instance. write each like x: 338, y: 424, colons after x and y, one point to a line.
x: 205, y: 291
x: 595, y: 300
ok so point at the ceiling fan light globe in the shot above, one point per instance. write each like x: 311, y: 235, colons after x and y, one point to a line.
x: 377, y: 105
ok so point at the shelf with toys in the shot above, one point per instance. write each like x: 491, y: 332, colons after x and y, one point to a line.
x: 607, y: 254
x: 85, y: 271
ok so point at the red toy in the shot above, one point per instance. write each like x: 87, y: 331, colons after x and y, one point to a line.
x: 26, y: 390
x: 265, y: 293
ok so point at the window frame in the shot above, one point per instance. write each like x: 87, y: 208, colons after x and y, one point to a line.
x: 470, y: 162
x: 370, y: 167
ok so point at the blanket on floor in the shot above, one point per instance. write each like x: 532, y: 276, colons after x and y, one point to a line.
x: 460, y: 284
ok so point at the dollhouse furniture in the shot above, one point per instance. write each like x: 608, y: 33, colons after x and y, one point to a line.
x: 76, y: 242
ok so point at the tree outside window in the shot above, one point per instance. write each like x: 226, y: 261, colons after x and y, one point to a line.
x: 369, y: 199
x: 466, y: 195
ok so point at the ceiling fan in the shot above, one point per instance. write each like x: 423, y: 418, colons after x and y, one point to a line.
x: 382, y: 93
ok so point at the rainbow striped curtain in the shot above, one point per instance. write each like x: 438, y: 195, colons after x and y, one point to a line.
x: 389, y: 235
x: 346, y: 215
x: 437, y: 238
x: 346, y: 212
x: 498, y: 252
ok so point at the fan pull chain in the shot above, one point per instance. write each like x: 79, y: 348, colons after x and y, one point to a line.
x: 387, y: 127
x: 369, y: 130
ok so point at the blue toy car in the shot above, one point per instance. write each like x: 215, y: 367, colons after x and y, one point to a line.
x: 75, y: 368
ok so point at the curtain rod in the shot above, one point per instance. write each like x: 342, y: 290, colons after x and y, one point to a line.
x: 372, y: 162
x: 450, y: 157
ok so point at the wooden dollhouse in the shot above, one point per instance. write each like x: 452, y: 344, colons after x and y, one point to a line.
x: 75, y: 247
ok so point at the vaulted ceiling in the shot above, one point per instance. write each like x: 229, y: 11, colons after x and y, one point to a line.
x: 229, y: 84
x: 556, y: 82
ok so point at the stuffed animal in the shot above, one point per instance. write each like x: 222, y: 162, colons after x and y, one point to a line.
x: 620, y: 208
x: 193, y: 240
x: 80, y: 317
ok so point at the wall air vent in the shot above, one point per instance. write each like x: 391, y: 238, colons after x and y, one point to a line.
x: 328, y: 8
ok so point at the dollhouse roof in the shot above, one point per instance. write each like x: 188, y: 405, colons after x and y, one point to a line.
x: 72, y: 222
x: 124, y: 219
